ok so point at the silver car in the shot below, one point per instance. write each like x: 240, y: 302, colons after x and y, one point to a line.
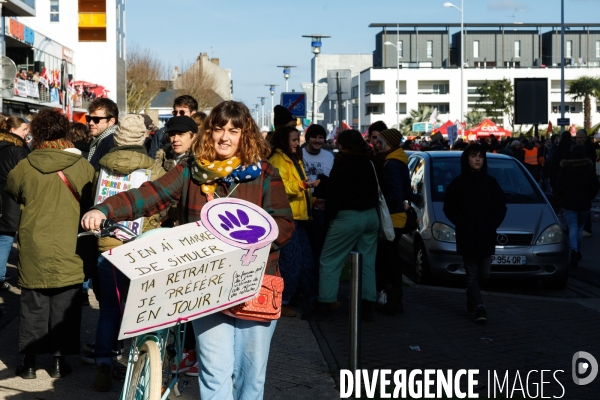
x: 530, y: 242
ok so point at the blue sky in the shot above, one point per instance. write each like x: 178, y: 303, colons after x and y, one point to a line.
x: 253, y: 37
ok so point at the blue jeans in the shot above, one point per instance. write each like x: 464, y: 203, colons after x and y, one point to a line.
x: 575, y: 222
x: 110, y: 311
x: 478, y: 271
x: 6, y: 243
x: 297, y: 265
x: 232, y: 357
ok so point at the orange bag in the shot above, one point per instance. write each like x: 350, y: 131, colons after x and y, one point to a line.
x: 266, y: 306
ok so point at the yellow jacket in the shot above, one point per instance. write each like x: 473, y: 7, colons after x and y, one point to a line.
x: 292, y: 182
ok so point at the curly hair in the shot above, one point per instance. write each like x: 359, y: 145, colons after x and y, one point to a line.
x: 281, y: 140
x: 11, y: 123
x: 352, y: 142
x: 252, y: 147
x: 48, y: 125
x: 78, y: 132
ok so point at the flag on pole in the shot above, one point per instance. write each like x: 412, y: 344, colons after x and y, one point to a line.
x: 44, y: 77
x: 433, y: 117
x: 549, y: 130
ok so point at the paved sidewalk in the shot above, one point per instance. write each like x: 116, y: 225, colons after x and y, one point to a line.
x: 523, y: 333
x: 296, y: 369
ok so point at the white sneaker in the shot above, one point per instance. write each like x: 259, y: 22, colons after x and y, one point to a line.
x: 382, y: 297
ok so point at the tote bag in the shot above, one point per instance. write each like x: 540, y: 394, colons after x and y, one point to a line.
x: 386, y: 227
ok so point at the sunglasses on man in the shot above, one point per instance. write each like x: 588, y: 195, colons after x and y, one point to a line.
x: 96, y: 120
x: 181, y: 113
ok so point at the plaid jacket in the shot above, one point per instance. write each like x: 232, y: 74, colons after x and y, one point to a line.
x: 178, y: 187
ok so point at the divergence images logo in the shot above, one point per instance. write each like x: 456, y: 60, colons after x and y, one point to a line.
x: 581, y: 367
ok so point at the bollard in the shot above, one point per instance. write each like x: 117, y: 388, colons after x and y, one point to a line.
x: 355, y: 315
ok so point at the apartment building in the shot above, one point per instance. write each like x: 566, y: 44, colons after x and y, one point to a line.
x: 94, y: 32
x: 491, y: 52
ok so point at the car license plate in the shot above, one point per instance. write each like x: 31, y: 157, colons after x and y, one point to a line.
x: 509, y: 260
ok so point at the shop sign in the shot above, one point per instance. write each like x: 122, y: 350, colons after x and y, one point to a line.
x: 67, y: 54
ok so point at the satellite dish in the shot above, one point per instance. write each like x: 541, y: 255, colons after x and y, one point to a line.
x: 9, y: 72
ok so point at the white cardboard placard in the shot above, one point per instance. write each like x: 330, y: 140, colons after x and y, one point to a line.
x: 196, y: 269
x: 110, y: 184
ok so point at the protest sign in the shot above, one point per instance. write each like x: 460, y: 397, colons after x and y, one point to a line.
x: 196, y: 269
x: 110, y: 184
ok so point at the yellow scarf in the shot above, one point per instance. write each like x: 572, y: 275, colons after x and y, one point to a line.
x: 209, y: 171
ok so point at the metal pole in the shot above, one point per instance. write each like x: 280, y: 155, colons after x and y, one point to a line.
x: 314, y: 100
x: 286, y: 84
x: 263, y: 113
x: 2, y: 51
x: 355, y: 302
x: 462, y: 60
x: 359, y: 127
x: 272, y: 111
x: 339, y: 101
x: 397, y: 77
x: 562, y: 62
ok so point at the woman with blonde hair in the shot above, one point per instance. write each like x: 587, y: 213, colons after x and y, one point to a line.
x: 232, y: 353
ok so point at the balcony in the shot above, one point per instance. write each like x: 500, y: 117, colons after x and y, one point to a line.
x: 92, y: 20
x: 19, y: 8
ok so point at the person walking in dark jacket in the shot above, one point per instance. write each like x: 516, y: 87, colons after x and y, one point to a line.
x: 394, y: 180
x: 13, y: 149
x: 563, y: 151
x: 576, y: 186
x: 476, y: 205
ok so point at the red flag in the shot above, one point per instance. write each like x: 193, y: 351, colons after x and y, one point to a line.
x: 549, y: 130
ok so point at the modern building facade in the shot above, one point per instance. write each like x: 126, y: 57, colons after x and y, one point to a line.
x: 95, y: 33
x: 491, y: 52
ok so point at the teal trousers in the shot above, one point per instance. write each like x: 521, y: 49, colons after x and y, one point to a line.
x: 349, y: 231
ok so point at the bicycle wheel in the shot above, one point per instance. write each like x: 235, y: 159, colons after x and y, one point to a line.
x: 145, y: 381
x: 169, y: 358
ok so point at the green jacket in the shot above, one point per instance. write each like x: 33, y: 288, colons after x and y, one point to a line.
x: 50, y: 217
x: 123, y: 160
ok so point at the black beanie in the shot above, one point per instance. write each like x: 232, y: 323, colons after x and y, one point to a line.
x: 282, y: 116
x: 315, y: 130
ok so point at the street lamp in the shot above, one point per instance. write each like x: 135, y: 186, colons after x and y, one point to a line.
x: 316, y: 49
x: 397, y: 81
x: 262, y: 102
x: 358, y: 94
x: 462, y: 53
x: 272, y: 90
x: 286, y: 73
x: 257, y: 115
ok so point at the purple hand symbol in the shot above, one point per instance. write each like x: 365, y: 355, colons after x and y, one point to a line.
x: 230, y: 222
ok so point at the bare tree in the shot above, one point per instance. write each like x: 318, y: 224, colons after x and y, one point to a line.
x: 199, y: 84
x: 143, y: 78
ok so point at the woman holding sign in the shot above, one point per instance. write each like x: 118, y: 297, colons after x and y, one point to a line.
x: 229, y: 161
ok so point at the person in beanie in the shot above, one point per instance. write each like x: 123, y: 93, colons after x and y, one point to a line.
x: 576, y: 186
x: 127, y: 155
x: 283, y: 117
x: 53, y: 187
x: 476, y: 205
x: 394, y: 179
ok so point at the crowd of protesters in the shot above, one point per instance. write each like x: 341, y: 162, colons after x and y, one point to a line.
x: 325, y: 204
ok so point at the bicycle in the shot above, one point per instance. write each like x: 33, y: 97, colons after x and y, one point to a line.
x: 149, y: 375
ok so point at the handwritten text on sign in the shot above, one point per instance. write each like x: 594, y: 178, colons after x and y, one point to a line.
x: 110, y: 184
x: 187, y: 272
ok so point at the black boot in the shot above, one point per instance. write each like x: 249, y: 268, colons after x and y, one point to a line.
x: 573, y: 259
x: 27, y: 369
x: 59, y: 367
x: 367, y: 310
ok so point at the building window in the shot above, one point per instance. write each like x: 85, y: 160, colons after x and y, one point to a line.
x: 569, y: 49
x: 400, y: 50
x: 429, y: 49
x: 476, y: 49
x: 53, y: 10
x: 597, y: 48
x: 517, y: 48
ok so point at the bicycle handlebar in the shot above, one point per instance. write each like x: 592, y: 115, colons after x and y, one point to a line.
x: 109, y: 228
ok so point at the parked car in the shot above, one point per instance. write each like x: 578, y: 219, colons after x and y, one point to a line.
x: 531, y: 242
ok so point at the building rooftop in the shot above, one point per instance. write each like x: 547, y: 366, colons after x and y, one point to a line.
x: 484, y: 25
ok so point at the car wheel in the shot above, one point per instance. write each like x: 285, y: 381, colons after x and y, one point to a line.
x: 422, y: 271
x: 557, y: 284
